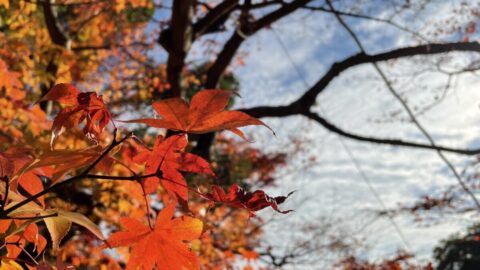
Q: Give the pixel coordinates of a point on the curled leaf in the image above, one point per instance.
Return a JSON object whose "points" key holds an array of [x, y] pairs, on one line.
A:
{"points": [[251, 201]]}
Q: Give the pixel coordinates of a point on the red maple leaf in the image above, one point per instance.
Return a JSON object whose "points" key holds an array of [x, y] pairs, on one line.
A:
{"points": [[80, 106], [163, 246], [252, 201]]}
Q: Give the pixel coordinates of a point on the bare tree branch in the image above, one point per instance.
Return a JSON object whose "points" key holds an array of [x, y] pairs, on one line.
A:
{"points": [[214, 18], [244, 30], [298, 109], [223, 60], [281, 12], [265, 4], [331, 127], [367, 17], [307, 100], [309, 97], [303, 105]]}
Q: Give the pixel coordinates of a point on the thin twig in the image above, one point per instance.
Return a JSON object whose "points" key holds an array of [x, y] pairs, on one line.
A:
{"points": [[367, 17], [29, 218], [147, 205]]}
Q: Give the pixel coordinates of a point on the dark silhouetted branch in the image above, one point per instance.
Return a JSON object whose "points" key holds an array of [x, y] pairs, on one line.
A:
{"points": [[303, 105], [215, 18], [54, 30], [395, 142], [244, 30], [309, 97], [177, 42]]}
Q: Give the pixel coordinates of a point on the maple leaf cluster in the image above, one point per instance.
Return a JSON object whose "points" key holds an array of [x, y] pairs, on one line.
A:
{"points": [[80, 106], [158, 239]]}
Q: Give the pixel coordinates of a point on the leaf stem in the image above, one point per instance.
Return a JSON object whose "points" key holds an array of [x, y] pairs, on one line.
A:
{"points": [[147, 205]]}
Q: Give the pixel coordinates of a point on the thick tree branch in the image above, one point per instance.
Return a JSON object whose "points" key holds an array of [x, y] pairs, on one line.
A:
{"points": [[308, 99], [177, 42], [215, 18], [244, 29], [265, 4], [281, 12], [303, 105], [294, 108], [58, 37], [223, 60], [54, 30], [178, 38]]}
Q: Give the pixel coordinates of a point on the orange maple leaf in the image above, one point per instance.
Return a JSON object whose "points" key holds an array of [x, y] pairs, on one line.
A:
{"points": [[167, 157], [81, 106], [16, 243], [13, 162], [31, 182], [204, 114], [163, 246]]}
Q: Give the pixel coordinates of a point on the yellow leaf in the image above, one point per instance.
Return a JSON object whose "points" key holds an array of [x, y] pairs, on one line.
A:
{"points": [[10, 265], [63, 73], [82, 221], [119, 5], [6, 5], [58, 227]]}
